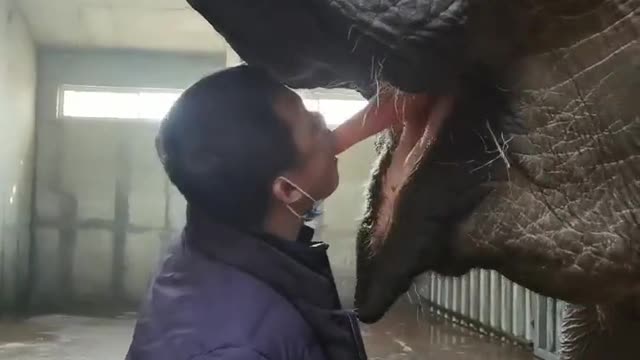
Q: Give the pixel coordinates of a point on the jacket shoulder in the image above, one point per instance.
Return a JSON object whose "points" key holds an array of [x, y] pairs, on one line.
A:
{"points": [[198, 306]]}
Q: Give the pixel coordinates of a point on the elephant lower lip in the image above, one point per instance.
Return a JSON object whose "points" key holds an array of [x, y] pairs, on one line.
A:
{"points": [[374, 118], [416, 141]]}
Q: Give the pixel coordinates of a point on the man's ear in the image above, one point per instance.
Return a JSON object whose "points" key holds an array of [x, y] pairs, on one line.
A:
{"points": [[284, 191]]}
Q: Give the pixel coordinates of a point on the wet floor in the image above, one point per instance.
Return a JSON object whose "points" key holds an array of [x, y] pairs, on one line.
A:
{"points": [[403, 334], [409, 334]]}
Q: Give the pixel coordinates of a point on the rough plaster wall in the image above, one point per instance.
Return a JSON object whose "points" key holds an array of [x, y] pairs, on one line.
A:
{"points": [[104, 209], [342, 214], [17, 101]]}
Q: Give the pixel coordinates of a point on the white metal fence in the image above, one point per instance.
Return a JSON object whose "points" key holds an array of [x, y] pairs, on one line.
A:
{"points": [[489, 303]]}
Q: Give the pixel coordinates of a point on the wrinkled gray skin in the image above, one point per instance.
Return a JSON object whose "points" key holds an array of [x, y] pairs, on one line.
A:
{"points": [[554, 84]]}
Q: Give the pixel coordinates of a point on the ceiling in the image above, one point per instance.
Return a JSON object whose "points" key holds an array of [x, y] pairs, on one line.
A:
{"points": [[168, 25]]}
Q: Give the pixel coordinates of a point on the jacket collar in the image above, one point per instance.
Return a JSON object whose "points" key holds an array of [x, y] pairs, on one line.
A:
{"points": [[253, 255]]}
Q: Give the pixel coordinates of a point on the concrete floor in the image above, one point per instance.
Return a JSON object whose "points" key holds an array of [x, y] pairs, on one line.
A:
{"points": [[402, 334], [408, 334]]}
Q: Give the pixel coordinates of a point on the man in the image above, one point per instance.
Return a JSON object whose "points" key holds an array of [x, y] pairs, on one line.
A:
{"points": [[246, 281]]}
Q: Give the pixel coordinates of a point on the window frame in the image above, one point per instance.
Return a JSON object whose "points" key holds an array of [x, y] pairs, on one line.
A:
{"points": [[60, 101], [306, 94]]}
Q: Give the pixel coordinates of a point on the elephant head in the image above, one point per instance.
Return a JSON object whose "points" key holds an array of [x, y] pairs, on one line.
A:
{"points": [[535, 171]]}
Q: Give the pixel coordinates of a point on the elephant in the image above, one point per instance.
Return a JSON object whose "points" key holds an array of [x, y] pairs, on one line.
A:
{"points": [[535, 170]]}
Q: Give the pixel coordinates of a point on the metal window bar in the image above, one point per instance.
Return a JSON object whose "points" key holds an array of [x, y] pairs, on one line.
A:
{"points": [[490, 303]]}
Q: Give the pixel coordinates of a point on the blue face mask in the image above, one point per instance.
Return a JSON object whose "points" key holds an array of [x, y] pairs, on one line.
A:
{"points": [[312, 213]]}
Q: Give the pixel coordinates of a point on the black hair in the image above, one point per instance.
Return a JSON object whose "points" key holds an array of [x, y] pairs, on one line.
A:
{"points": [[222, 144]]}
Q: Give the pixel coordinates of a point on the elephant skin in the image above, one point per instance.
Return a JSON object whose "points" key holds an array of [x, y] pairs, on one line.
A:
{"points": [[536, 172]]}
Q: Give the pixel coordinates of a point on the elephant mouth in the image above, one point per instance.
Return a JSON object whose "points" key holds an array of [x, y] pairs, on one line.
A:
{"points": [[414, 143], [432, 174], [415, 140]]}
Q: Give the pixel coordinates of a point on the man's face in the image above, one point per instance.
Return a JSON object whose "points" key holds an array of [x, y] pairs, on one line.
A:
{"points": [[317, 169]]}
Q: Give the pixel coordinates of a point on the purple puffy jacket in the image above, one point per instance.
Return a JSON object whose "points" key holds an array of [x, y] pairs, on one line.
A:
{"points": [[223, 294]]}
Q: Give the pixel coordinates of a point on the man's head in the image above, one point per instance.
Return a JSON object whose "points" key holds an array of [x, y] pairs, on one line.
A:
{"points": [[238, 144]]}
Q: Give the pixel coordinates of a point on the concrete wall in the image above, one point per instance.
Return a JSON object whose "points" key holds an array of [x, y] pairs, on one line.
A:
{"points": [[105, 210], [17, 98], [343, 211]]}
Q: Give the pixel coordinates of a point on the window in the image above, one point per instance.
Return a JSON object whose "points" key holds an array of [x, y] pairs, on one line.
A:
{"points": [[116, 103], [335, 111], [141, 104]]}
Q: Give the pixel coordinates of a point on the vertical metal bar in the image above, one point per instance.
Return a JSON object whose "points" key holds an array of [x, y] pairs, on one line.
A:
{"points": [[440, 291], [474, 301], [445, 293], [449, 286], [456, 296], [507, 306], [434, 289], [465, 294], [551, 324], [519, 311], [529, 315], [538, 341], [495, 300], [484, 297], [559, 316]]}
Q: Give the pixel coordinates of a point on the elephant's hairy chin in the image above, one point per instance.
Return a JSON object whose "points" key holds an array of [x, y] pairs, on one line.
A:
{"points": [[377, 304]]}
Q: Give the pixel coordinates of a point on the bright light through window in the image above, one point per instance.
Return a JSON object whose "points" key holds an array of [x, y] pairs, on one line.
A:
{"points": [[311, 104], [154, 105], [335, 112], [117, 105]]}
